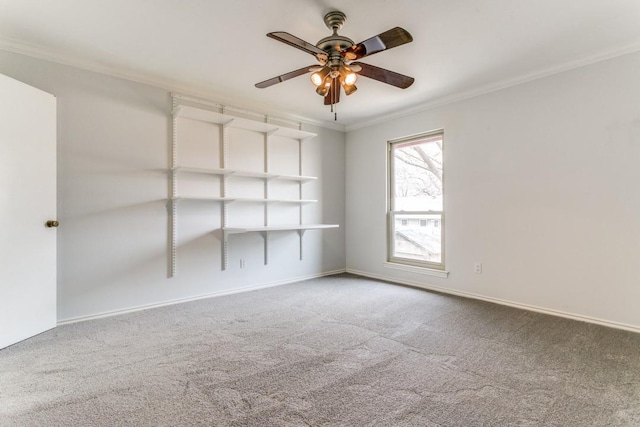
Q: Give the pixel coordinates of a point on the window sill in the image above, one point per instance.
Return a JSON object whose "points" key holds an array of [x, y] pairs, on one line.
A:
{"points": [[420, 270]]}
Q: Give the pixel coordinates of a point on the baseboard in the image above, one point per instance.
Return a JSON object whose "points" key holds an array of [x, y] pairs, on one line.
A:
{"points": [[513, 304], [196, 298]]}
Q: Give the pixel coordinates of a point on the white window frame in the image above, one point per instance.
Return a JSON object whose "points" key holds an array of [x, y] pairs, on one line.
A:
{"points": [[392, 212]]}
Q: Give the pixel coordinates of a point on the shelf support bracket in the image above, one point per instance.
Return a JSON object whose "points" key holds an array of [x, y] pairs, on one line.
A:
{"points": [[266, 237]]}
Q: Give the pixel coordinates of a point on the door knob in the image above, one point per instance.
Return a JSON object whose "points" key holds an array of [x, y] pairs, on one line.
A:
{"points": [[52, 223]]}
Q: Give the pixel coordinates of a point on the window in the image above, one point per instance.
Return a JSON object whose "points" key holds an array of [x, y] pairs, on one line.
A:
{"points": [[416, 208]]}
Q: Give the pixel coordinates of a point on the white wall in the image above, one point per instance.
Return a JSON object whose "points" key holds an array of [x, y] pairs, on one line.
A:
{"points": [[113, 156], [542, 185]]}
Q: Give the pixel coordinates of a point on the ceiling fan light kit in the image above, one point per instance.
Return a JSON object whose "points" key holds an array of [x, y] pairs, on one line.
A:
{"points": [[335, 54]]}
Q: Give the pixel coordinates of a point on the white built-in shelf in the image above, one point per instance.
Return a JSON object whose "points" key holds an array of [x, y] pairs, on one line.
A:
{"points": [[242, 230], [247, 174], [208, 171], [245, 199], [228, 121], [204, 199], [239, 122]]}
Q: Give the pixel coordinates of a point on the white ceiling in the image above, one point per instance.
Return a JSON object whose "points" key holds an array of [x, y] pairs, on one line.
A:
{"points": [[218, 49]]}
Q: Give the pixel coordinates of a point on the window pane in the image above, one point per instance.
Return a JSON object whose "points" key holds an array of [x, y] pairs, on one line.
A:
{"points": [[415, 241], [418, 175], [416, 208]]}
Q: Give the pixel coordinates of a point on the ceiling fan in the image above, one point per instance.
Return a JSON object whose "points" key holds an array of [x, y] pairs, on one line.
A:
{"points": [[336, 54]]}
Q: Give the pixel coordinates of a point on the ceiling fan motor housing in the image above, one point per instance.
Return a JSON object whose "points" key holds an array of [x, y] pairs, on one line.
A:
{"points": [[334, 42]]}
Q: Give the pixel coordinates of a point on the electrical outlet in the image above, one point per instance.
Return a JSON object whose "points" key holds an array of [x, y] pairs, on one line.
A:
{"points": [[477, 268], [243, 263]]}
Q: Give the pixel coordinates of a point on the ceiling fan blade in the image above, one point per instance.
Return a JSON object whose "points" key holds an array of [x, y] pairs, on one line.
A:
{"points": [[384, 76], [294, 41], [283, 77], [333, 96], [389, 39]]}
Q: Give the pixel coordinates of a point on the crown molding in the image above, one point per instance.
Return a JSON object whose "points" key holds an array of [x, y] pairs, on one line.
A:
{"points": [[159, 82], [494, 87], [170, 85]]}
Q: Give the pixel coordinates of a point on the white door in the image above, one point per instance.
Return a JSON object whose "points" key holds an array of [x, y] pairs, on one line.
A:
{"points": [[27, 202]]}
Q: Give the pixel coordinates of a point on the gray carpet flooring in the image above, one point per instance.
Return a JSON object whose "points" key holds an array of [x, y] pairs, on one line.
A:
{"points": [[336, 351]]}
